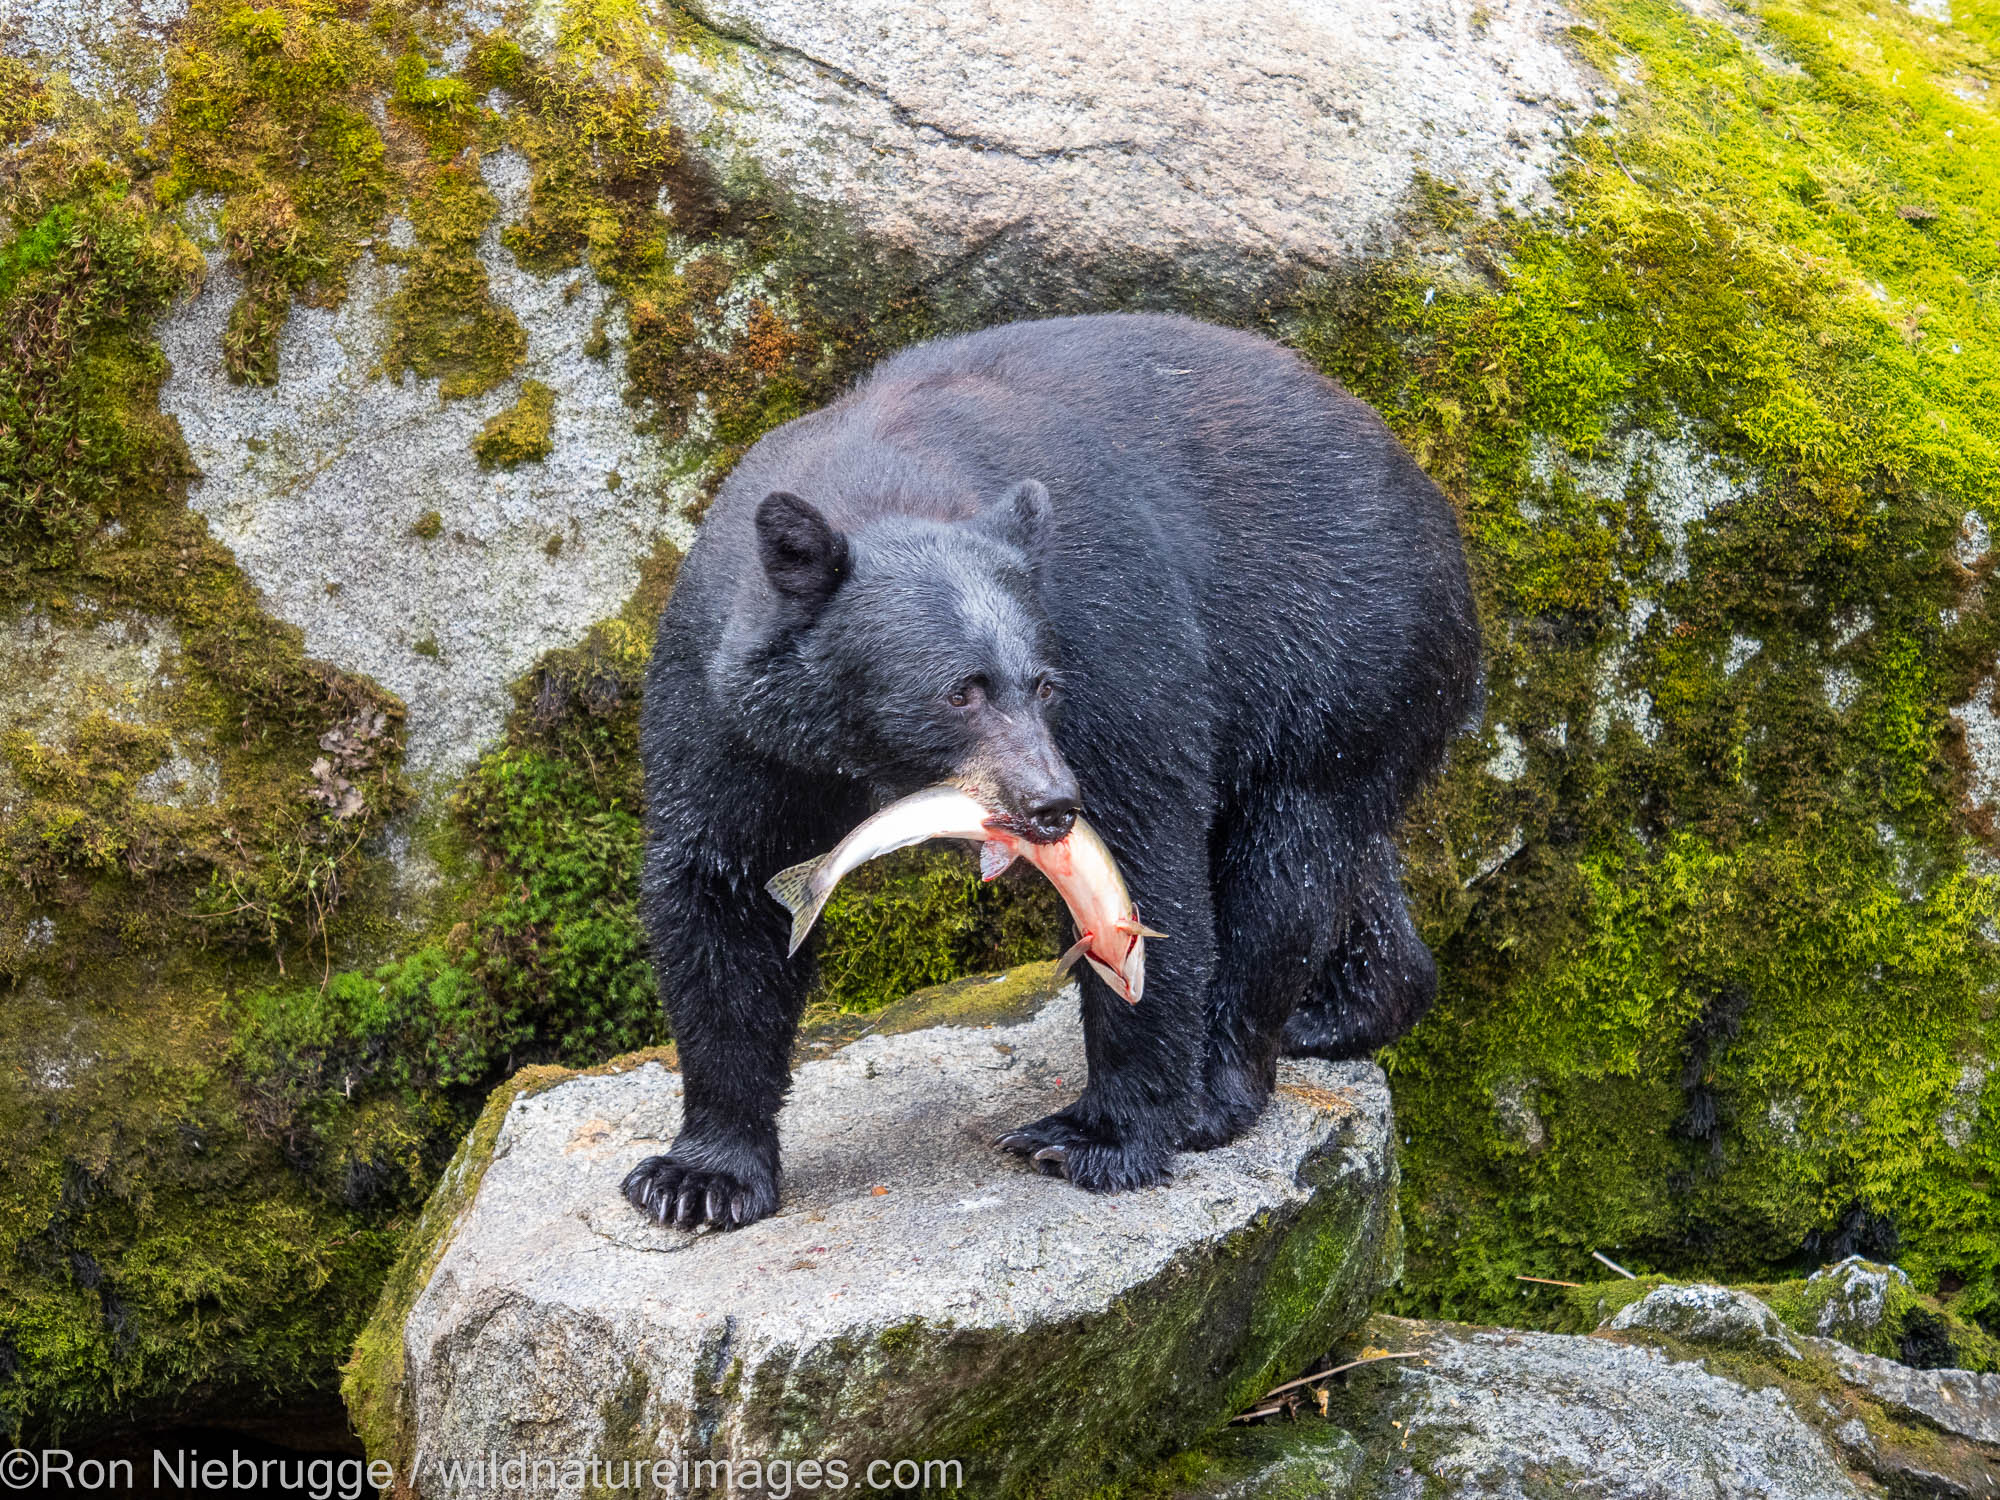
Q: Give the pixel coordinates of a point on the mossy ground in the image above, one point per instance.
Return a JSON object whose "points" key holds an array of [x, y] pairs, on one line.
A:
{"points": [[1715, 961]]}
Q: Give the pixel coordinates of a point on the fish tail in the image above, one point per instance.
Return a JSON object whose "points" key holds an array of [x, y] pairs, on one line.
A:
{"points": [[794, 890]]}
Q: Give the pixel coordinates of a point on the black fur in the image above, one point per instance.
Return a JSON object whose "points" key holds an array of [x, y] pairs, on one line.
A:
{"points": [[1161, 562]]}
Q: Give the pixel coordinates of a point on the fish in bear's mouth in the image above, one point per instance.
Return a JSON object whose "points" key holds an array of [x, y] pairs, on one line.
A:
{"points": [[1112, 939]]}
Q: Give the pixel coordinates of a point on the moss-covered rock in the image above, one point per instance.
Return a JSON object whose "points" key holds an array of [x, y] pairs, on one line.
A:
{"points": [[1474, 1411], [1708, 893]]}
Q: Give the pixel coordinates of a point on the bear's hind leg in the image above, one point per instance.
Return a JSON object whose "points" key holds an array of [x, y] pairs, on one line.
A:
{"points": [[1378, 981], [1281, 871]]}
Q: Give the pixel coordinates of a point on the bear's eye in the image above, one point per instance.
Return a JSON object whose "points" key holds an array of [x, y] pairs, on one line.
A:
{"points": [[1045, 689], [966, 691]]}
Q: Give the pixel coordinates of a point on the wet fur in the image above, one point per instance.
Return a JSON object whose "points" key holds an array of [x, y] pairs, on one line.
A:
{"points": [[1259, 609]]}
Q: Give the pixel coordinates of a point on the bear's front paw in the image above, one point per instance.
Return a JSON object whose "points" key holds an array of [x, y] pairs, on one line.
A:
{"points": [[1093, 1160], [689, 1196]]}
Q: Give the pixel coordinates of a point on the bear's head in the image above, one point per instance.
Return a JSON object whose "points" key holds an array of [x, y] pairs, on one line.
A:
{"points": [[913, 651]]}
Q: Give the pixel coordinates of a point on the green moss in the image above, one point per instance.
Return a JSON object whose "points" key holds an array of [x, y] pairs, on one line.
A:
{"points": [[267, 106], [79, 278], [124, 1285], [428, 526], [444, 323], [1910, 1322], [521, 433], [159, 1242], [1717, 942], [922, 917]]}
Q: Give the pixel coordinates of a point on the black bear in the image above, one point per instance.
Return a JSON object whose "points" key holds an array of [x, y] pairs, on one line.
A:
{"points": [[1157, 570]]}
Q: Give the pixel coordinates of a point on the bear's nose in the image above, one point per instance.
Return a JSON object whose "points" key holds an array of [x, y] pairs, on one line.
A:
{"points": [[1051, 816]]}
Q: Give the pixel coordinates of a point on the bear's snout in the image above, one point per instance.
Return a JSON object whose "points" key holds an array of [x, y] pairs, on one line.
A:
{"points": [[1034, 787], [1051, 817]]}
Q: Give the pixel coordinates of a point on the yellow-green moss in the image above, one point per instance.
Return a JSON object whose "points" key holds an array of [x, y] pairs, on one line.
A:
{"points": [[443, 321], [1713, 964], [157, 1241], [521, 433], [268, 107]]}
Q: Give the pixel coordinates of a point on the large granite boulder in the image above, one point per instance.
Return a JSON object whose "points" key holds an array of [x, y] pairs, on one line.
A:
{"points": [[919, 1297], [1043, 155]]}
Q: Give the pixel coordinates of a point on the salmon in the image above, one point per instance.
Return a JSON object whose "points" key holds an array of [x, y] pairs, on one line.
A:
{"points": [[1079, 865]]}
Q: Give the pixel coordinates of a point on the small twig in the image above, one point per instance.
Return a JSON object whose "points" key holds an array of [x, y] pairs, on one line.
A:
{"points": [[1292, 1385], [1262, 1411], [1549, 1281], [1599, 1255]]}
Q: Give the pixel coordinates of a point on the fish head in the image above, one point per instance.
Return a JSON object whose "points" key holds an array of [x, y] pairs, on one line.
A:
{"points": [[932, 659]]}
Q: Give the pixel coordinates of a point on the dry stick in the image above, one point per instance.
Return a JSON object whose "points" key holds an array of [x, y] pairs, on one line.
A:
{"points": [[1279, 1390], [1551, 1281], [1600, 1255]]}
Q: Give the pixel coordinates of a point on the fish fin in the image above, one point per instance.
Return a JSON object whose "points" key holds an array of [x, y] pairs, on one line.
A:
{"points": [[994, 858], [793, 889], [1113, 978], [1133, 927], [1075, 951]]}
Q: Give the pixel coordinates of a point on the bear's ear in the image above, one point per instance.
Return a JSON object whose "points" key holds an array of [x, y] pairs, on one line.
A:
{"points": [[803, 556], [1020, 518]]}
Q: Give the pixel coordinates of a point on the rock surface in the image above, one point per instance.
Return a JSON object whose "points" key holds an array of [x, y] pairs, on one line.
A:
{"points": [[917, 1297], [1850, 1300], [1704, 1314], [325, 485], [105, 48], [1499, 1413], [1958, 1402], [1641, 1413], [1049, 151]]}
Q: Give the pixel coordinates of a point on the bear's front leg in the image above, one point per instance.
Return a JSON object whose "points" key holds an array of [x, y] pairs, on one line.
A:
{"points": [[732, 993], [1145, 1059]]}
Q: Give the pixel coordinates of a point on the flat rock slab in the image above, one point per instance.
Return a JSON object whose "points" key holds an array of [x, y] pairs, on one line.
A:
{"points": [[919, 1296], [1959, 1403]]}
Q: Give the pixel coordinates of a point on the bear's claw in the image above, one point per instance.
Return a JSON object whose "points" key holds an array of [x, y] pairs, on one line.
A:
{"points": [[671, 1192], [1058, 1146]]}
